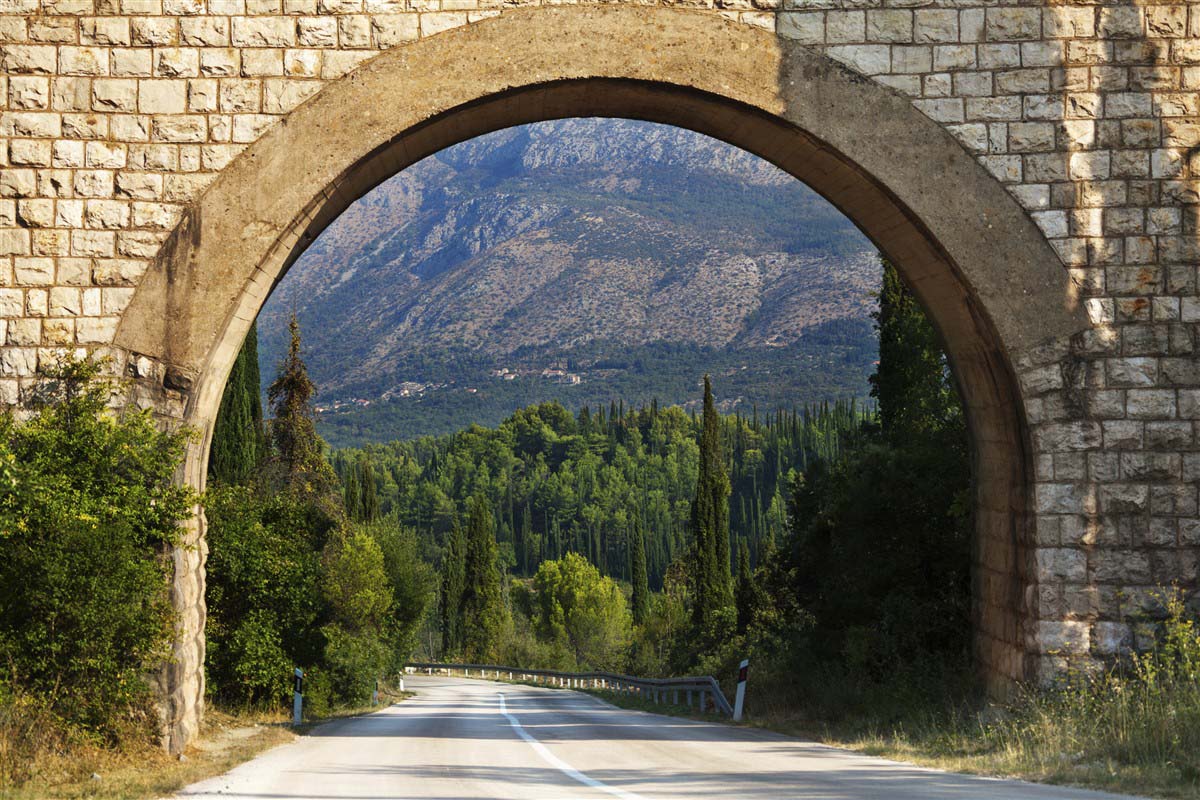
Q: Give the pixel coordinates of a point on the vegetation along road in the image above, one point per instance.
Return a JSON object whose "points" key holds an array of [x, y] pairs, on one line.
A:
{"points": [[460, 738]]}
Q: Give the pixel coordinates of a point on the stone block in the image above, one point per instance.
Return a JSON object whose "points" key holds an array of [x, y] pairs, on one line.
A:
{"points": [[1112, 638], [1066, 498], [1150, 403], [1067, 637], [1009, 24], [263, 32], [1124, 498]]}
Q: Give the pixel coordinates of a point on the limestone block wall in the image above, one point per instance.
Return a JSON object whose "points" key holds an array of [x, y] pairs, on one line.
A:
{"points": [[116, 115]]}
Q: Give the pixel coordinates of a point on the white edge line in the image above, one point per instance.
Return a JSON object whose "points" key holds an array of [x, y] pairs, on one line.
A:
{"points": [[558, 763]]}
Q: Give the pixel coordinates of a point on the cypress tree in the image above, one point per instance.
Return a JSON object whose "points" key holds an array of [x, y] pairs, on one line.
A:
{"points": [[369, 502], [911, 383], [350, 492], [238, 445], [745, 587], [710, 520], [526, 542], [453, 583], [639, 578], [483, 612]]}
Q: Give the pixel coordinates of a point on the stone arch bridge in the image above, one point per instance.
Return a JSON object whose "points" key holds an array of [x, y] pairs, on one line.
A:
{"points": [[1027, 165]]}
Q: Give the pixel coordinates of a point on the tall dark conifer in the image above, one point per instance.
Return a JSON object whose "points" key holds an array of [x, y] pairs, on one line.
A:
{"points": [[710, 520], [298, 451], [912, 383], [369, 498], [483, 612], [745, 587], [351, 493], [638, 576], [238, 443], [454, 578]]}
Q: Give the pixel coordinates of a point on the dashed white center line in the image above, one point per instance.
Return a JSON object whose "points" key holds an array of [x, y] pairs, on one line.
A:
{"points": [[558, 763]]}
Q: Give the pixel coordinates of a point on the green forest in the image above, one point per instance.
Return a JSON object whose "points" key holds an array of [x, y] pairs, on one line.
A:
{"points": [[646, 539], [557, 482]]}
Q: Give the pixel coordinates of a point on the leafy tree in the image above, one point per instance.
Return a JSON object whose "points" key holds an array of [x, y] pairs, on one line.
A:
{"points": [[265, 598], [641, 583], [583, 609], [483, 613], [412, 582], [355, 582], [88, 509], [238, 443], [710, 521]]}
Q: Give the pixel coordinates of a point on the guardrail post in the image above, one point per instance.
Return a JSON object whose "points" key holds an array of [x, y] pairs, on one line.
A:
{"points": [[739, 702], [298, 696], [689, 698]]}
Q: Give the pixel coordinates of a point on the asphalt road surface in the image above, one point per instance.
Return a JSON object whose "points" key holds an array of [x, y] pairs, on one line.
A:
{"points": [[470, 739]]}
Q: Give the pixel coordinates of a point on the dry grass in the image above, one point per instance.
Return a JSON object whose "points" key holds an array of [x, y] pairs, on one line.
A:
{"points": [[64, 770], [959, 746], [141, 770]]}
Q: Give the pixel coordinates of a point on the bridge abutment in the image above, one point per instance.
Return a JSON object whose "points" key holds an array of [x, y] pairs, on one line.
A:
{"points": [[1029, 169]]}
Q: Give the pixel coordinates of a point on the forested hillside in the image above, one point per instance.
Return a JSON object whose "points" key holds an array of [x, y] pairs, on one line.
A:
{"points": [[557, 482], [571, 261]]}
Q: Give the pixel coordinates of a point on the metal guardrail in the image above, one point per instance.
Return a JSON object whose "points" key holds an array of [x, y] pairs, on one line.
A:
{"points": [[701, 689]]}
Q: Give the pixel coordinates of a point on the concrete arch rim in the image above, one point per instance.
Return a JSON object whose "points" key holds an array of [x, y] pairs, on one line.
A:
{"points": [[624, 61]]}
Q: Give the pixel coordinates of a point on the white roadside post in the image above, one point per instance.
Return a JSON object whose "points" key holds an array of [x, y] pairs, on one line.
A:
{"points": [[740, 701], [298, 697]]}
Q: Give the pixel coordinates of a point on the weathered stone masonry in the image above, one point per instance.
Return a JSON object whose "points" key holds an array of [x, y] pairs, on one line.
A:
{"points": [[118, 115]]}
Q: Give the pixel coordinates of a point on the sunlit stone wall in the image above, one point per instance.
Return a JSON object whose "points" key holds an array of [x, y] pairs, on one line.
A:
{"points": [[117, 114]]}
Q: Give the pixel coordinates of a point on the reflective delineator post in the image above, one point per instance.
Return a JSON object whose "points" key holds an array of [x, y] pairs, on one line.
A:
{"points": [[298, 697], [740, 701], [375, 694]]}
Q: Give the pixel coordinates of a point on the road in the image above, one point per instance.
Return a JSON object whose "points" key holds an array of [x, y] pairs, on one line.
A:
{"points": [[469, 739]]}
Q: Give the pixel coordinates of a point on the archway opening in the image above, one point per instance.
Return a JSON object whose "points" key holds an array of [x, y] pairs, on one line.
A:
{"points": [[556, 542], [992, 285]]}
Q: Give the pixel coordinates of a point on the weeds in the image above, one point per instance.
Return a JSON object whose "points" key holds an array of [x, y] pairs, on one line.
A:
{"points": [[1134, 727]]}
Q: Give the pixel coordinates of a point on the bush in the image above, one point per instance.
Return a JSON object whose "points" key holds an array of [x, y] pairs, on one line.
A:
{"points": [[89, 511], [264, 593], [354, 660]]}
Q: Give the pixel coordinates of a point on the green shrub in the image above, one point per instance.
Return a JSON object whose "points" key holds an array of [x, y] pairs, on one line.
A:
{"points": [[354, 660], [264, 593], [89, 511]]}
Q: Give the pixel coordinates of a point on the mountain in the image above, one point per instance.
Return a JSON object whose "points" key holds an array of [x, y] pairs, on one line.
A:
{"points": [[581, 260]]}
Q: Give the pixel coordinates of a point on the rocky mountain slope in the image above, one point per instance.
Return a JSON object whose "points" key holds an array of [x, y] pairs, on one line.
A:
{"points": [[584, 241]]}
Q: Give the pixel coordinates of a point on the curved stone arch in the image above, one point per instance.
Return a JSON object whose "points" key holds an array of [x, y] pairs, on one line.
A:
{"points": [[993, 286]]}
